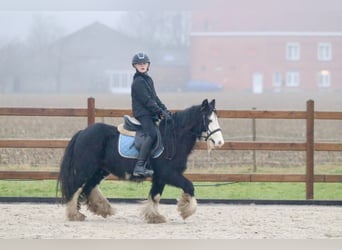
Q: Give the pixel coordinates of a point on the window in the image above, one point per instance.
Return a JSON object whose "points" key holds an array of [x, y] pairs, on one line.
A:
{"points": [[292, 79], [120, 81], [324, 51], [293, 51], [257, 83], [277, 79], [324, 79]]}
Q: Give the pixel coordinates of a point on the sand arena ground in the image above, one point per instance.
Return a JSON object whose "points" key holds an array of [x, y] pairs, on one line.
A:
{"points": [[211, 221]]}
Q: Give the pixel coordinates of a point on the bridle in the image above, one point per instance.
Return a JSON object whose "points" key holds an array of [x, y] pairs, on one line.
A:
{"points": [[169, 132], [209, 132]]}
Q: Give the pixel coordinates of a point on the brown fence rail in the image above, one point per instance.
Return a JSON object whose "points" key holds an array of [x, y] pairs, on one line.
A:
{"points": [[309, 146]]}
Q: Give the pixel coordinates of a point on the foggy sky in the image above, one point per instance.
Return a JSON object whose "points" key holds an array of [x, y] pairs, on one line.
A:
{"points": [[16, 24], [16, 15], [106, 5]]}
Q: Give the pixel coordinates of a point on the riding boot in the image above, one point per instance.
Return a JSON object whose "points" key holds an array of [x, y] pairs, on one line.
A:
{"points": [[140, 166]]}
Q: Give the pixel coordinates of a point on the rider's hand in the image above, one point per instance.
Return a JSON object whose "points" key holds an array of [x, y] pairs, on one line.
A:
{"points": [[166, 114]]}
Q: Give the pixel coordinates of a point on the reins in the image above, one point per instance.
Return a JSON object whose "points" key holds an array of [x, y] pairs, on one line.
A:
{"points": [[169, 134]]}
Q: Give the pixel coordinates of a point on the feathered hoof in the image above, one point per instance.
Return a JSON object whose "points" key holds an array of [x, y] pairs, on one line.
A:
{"points": [[187, 205], [103, 209], [150, 212], [98, 204], [155, 218], [76, 216]]}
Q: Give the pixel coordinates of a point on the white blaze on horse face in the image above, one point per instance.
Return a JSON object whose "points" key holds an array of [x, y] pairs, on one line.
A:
{"points": [[216, 138]]}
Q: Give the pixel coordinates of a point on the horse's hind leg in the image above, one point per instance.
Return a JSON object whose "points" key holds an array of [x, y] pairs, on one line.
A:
{"points": [[73, 207], [96, 202], [150, 212]]}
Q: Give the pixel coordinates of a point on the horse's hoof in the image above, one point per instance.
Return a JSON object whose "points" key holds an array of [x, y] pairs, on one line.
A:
{"points": [[103, 209], [76, 217], [109, 212], [187, 206], [150, 212], [156, 219]]}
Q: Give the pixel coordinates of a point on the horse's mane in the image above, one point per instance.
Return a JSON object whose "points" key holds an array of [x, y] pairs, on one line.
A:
{"points": [[184, 117], [182, 121]]}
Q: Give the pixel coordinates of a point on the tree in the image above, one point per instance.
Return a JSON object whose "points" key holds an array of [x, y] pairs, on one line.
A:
{"points": [[43, 32], [11, 66], [164, 29]]}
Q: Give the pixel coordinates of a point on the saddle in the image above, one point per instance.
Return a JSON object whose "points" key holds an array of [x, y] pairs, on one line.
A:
{"points": [[131, 138]]}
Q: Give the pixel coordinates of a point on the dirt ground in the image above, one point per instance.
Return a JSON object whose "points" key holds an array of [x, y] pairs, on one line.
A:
{"points": [[211, 221]]}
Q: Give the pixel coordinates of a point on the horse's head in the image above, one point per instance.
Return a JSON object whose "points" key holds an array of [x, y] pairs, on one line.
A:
{"points": [[211, 128]]}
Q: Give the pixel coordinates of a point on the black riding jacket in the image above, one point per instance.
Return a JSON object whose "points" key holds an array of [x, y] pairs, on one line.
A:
{"points": [[144, 97]]}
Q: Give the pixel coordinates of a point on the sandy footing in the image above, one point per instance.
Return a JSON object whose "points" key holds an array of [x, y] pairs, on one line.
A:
{"points": [[46, 221]]}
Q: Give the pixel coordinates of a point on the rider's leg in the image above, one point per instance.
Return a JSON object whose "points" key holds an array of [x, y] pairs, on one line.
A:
{"points": [[149, 128], [140, 166]]}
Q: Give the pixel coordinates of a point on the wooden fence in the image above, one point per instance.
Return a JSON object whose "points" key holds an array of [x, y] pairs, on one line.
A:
{"points": [[309, 146]]}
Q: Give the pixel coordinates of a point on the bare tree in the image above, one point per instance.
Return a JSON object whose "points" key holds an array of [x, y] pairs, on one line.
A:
{"points": [[13, 54], [43, 32], [164, 29], [11, 66]]}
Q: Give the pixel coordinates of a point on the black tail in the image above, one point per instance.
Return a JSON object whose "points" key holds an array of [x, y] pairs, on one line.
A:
{"points": [[66, 172]]}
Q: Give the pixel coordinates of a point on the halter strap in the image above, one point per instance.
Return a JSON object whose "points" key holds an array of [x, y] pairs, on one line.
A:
{"points": [[210, 133]]}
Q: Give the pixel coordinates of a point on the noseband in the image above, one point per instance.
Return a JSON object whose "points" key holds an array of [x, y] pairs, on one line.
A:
{"points": [[209, 133]]}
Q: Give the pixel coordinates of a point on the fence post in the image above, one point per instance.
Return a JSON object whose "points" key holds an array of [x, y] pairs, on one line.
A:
{"points": [[254, 139], [91, 110], [310, 113]]}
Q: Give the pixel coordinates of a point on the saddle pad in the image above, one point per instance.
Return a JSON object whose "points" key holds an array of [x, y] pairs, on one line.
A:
{"points": [[128, 150], [126, 146]]}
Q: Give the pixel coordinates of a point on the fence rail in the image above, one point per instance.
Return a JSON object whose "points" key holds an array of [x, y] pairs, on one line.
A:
{"points": [[270, 146], [52, 175], [309, 146]]}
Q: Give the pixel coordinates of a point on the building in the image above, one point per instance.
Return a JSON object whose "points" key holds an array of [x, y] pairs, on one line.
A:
{"points": [[269, 46], [94, 59]]}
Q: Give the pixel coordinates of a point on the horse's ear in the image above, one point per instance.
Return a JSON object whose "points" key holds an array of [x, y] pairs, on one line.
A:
{"points": [[212, 103], [204, 104]]}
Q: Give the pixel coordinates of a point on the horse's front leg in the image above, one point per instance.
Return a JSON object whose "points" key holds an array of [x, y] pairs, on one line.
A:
{"points": [[187, 204], [150, 212]]}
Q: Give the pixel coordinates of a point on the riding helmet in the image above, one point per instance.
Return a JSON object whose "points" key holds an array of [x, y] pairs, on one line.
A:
{"points": [[140, 57]]}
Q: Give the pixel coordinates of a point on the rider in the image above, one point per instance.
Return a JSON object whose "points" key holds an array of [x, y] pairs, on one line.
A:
{"points": [[147, 109]]}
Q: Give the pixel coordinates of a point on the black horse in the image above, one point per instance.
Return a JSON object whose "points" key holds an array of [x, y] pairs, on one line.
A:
{"points": [[92, 154]]}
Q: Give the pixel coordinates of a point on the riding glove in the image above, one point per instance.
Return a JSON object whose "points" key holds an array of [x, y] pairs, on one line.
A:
{"points": [[166, 114]]}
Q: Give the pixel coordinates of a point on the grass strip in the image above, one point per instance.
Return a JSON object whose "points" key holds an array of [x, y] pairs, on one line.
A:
{"points": [[204, 190]]}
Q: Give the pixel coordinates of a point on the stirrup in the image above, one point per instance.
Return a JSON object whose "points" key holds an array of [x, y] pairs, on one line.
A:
{"points": [[142, 171], [147, 173]]}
